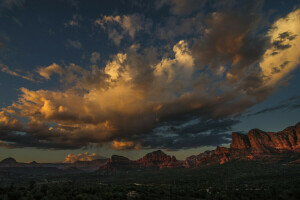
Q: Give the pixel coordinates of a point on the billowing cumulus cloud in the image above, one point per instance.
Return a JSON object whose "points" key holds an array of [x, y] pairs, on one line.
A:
{"points": [[9, 123], [81, 157], [183, 95]]}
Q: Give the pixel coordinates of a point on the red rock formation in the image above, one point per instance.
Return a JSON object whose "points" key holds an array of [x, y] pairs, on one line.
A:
{"points": [[195, 160], [154, 159], [173, 163], [120, 162], [239, 141], [158, 159], [270, 147], [221, 151], [259, 141]]}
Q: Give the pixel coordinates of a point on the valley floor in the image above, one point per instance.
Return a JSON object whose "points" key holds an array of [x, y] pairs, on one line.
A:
{"points": [[229, 181]]}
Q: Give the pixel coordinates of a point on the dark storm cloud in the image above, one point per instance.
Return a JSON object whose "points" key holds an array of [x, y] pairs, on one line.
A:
{"points": [[229, 38], [270, 109], [289, 104], [187, 142], [192, 134]]}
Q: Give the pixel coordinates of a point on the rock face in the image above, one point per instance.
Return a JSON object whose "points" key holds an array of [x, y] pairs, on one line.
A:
{"points": [[266, 142], [173, 163], [197, 160], [257, 145], [158, 159], [240, 141], [154, 159]]}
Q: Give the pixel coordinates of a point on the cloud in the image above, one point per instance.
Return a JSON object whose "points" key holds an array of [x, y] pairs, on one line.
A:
{"points": [[291, 103], [130, 97], [95, 57], [74, 22], [185, 95], [9, 123], [174, 27], [46, 72], [119, 27], [7, 70], [183, 62], [180, 7], [284, 54], [125, 145], [270, 109], [9, 4], [81, 157], [74, 44]]}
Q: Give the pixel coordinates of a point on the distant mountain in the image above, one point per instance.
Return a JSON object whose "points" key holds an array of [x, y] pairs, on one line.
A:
{"points": [[90, 165], [159, 159], [11, 162], [119, 162], [196, 160], [8, 161]]}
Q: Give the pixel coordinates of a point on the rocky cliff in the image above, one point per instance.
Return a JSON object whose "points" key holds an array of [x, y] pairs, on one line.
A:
{"points": [[259, 141], [153, 159], [158, 159], [257, 145]]}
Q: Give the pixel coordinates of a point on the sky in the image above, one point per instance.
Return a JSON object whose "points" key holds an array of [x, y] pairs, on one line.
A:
{"points": [[80, 80]]}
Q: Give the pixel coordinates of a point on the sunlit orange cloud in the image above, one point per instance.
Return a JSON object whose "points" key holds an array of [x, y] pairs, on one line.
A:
{"points": [[81, 157], [284, 55], [136, 91], [125, 145]]}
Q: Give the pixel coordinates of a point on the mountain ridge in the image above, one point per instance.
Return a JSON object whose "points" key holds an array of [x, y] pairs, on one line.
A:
{"points": [[256, 145]]}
